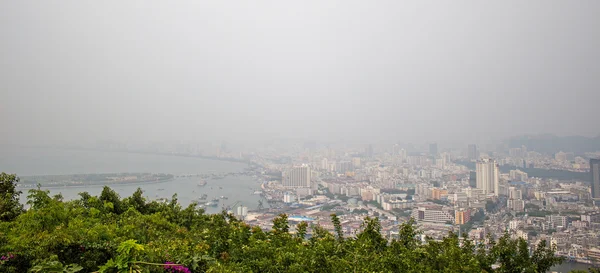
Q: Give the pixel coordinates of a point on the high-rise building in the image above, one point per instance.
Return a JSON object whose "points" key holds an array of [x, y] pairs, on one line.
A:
{"points": [[518, 175], [515, 204], [514, 193], [557, 220], [595, 173], [488, 176], [343, 167], [472, 152], [593, 217], [403, 155], [369, 151], [473, 179], [356, 162], [516, 152], [437, 193], [462, 216], [396, 150], [324, 164], [297, 177], [433, 149]]}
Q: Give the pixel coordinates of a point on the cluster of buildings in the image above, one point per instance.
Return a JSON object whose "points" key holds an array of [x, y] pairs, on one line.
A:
{"points": [[441, 193]]}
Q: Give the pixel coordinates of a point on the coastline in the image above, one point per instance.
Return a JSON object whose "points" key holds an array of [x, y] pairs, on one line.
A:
{"points": [[101, 183], [227, 159]]}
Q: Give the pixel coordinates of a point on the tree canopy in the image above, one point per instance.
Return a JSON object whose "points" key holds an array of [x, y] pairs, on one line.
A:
{"points": [[10, 207]]}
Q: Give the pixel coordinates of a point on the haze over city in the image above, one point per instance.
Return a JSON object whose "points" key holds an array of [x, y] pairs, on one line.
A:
{"points": [[455, 72], [309, 136]]}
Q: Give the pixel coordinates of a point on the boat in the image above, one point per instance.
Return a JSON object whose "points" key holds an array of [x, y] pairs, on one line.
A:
{"points": [[212, 204], [223, 197], [257, 192], [202, 183], [160, 189], [216, 200], [203, 197]]}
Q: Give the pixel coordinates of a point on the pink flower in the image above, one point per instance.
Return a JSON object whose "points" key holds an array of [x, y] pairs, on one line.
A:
{"points": [[7, 257], [171, 267]]}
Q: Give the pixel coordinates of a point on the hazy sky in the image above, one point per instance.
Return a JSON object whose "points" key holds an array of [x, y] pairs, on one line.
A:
{"points": [[328, 70]]}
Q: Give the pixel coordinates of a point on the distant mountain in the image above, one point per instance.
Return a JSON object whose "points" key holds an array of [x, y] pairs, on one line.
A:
{"points": [[551, 144]]}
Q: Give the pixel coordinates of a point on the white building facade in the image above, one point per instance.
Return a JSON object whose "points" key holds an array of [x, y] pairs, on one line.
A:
{"points": [[488, 176]]}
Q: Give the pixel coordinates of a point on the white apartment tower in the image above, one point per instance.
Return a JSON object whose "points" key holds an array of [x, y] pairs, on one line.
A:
{"points": [[514, 193], [297, 177], [487, 176], [324, 164]]}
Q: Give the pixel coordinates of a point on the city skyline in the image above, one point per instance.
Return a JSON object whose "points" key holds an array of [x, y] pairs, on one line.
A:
{"points": [[595, 177]]}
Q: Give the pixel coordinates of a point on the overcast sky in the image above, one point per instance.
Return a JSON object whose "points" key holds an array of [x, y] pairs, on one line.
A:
{"points": [[327, 70]]}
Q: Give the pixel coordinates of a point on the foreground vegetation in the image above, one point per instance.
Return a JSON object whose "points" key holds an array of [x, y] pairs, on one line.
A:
{"points": [[108, 234]]}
